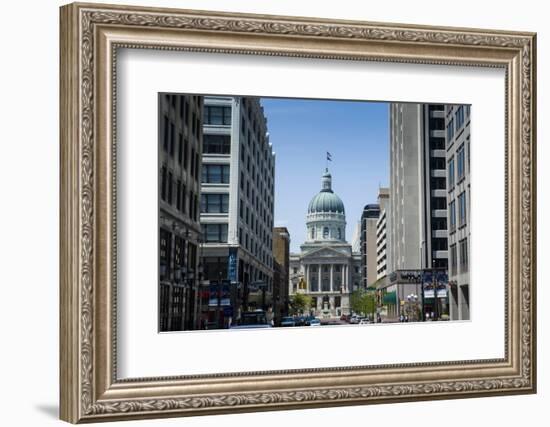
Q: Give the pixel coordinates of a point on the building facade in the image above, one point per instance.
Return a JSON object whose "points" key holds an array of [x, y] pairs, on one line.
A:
{"points": [[369, 218], [180, 145], [237, 205], [416, 224], [281, 268], [457, 124], [326, 270]]}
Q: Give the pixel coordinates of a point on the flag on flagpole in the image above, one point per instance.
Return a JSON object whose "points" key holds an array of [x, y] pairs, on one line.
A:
{"points": [[329, 157]]}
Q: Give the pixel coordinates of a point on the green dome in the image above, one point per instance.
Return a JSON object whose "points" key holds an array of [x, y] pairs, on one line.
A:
{"points": [[326, 201]]}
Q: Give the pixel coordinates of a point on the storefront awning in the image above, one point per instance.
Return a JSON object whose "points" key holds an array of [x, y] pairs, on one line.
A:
{"points": [[389, 298]]}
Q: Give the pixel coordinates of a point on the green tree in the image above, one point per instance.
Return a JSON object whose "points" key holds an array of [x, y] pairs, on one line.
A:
{"points": [[299, 303], [363, 302]]}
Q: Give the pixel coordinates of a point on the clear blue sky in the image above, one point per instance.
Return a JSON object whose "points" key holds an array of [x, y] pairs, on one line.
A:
{"points": [[302, 131]]}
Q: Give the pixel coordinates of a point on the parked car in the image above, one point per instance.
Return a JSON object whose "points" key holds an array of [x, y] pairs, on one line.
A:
{"points": [[300, 320], [314, 322], [364, 321], [252, 320], [354, 319], [288, 321]]}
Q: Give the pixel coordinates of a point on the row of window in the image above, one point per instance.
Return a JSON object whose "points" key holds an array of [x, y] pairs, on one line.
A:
{"points": [[214, 233], [252, 221], [254, 246], [215, 173], [217, 115], [460, 166], [255, 199], [185, 157], [255, 174], [176, 255], [457, 121], [215, 203], [169, 186], [463, 257], [190, 121], [216, 144], [326, 233]]}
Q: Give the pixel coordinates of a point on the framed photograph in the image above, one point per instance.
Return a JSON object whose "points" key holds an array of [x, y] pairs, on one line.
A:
{"points": [[266, 213]]}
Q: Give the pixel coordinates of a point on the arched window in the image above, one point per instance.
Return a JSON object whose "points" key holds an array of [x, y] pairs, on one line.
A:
{"points": [[325, 232], [339, 233], [313, 232]]}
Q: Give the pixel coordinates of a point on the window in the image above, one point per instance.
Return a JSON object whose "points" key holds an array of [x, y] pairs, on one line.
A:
{"points": [[450, 131], [437, 163], [197, 160], [340, 233], [180, 148], [172, 138], [165, 246], [215, 233], [452, 215], [439, 203], [166, 134], [169, 183], [185, 153], [459, 116], [215, 174], [215, 203], [183, 199], [460, 162], [451, 172], [462, 208], [453, 260], [178, 195], [325, 232], [216, 144], [196, 207], [313, 232], [163, 184], [179, 250], [463, 255], [314, 286], [217, 115]]}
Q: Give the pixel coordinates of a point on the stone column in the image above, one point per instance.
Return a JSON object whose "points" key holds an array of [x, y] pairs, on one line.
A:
{"points": [[345, 277], [331, 277], [320, 277], [308, 286]]}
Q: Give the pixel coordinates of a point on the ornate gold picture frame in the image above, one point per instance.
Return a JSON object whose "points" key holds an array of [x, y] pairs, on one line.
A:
{"points": [[90, 36]]}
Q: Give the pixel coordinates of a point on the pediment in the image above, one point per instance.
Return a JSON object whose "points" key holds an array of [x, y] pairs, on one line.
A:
{"points": [[326, 252]]}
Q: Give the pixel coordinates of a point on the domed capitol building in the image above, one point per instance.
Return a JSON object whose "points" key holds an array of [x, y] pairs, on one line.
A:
{"points": [[326, 269]]}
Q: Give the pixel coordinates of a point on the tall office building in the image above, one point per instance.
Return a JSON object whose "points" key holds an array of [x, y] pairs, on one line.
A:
{"points": [[180, 145], [457, 123], [237, 203], [369, 217], [281, 268], [381, 234], [418, 197], [356, 238], [417, 220]]}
